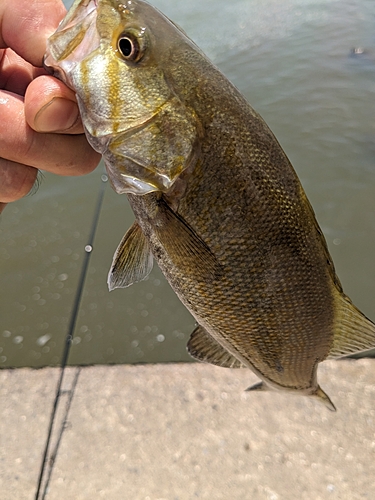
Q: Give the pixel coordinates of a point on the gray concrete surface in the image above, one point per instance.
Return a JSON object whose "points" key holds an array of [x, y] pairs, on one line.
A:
{"points": [[187, 431]]}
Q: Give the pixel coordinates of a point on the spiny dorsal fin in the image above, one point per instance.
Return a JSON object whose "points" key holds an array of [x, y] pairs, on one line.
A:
{"points": [[203, 346], [354, 332], [185, 248], [132, 261]]}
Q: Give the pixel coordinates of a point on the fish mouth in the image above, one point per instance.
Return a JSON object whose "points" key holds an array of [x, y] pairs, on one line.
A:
{"points": [[47, 67], [53, 70]]}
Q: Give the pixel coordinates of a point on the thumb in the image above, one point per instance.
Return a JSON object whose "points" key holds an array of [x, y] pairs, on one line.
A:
{"points": [[50, 106]]}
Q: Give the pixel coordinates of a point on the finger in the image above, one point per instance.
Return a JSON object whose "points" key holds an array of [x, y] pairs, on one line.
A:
{"points": [[58, 153], [16, 180], [50, 106], [26, 25], [15, 72], [2, 206]]}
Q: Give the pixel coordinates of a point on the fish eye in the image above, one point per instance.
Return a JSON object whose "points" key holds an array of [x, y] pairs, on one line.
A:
{"points": [[129, 47]]}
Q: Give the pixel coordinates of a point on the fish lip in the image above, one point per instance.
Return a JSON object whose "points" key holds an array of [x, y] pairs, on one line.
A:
{"points": [[54, 71], [49, 69]]}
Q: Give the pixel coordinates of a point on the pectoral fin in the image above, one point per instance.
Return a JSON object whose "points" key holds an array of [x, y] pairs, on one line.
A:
{"points": [[132, 261], [203, 346], [184, 247]]}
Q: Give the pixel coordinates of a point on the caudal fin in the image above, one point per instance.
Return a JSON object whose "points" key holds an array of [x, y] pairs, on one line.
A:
{"points": [[353, 331], [323, 398], [318, 394]]}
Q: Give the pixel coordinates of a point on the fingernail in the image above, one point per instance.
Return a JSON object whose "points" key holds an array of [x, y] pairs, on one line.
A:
{"points": [[58, 115]]}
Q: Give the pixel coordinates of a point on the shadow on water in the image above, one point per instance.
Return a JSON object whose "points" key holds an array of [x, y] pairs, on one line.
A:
{"points": [[293, 62]]}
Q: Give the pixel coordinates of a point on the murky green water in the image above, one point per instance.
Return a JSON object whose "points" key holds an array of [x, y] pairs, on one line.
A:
{"points": [[293, 62]]}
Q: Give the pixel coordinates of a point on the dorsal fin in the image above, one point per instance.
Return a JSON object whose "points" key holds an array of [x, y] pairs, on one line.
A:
{"points": [[132, 261], [353, 333], [203, 346]]}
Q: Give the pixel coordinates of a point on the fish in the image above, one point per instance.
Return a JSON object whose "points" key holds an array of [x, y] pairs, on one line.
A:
{"points": [[217, 203]]}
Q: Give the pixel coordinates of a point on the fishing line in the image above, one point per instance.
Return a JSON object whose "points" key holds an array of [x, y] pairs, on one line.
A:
{"points": [[68, 343]]}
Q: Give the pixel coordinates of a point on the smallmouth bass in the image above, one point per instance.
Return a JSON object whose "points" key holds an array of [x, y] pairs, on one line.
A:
{"points": [[217, 203]]}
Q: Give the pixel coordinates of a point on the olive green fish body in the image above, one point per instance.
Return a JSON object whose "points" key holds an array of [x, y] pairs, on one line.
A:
{"points": [[274, 286], [217, 203]]}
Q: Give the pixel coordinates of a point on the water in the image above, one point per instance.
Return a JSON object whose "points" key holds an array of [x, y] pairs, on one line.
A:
{"points": [[292, 60]]}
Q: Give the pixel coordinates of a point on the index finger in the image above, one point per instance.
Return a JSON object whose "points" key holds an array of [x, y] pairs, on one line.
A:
{"points": [[25, 26]]}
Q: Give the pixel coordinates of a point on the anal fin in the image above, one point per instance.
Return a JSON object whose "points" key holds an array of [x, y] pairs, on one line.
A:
{"points": [[203, 347], [132, 261]]}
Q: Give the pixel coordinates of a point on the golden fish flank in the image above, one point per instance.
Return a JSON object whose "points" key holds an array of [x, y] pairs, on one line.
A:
{"points": [[216, 201]]}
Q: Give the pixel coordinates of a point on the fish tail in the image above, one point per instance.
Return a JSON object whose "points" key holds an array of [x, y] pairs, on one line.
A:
{"points": [[323, 398], [318, 394], [353, 331]]}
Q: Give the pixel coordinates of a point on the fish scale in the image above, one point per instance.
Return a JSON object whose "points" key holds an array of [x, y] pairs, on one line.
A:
{"points": [[216, 201]]}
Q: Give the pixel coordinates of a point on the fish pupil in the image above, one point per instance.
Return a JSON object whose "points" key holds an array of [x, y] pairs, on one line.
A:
{"points": [[131, 45], [125, 46]]}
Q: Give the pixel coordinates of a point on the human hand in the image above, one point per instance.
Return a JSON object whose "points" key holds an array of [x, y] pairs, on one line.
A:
{"points": [[40, 127]]}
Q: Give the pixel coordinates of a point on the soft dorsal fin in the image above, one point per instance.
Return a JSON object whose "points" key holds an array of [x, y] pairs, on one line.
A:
{"points": [[132, 261], [353, 331], [203, 346], [185, 248]]}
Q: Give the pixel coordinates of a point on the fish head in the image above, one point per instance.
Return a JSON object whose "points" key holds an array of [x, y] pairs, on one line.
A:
{"points": [[115, 55]]}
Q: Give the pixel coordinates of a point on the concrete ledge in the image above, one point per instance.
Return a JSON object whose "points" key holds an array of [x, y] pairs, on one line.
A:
{"points": [[183, 431]]}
